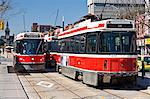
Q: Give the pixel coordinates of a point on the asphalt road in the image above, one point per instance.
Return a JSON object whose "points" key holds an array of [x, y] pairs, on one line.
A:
{"points": [[52, 85]]}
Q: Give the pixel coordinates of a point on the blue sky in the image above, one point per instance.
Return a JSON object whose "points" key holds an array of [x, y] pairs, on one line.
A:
{"points": [[43, 12]]}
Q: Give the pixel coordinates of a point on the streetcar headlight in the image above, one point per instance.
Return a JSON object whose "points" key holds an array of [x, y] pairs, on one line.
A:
{"points": [[32, 58]]}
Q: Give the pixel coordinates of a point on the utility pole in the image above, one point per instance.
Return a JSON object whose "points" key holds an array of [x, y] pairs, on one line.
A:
{"points": [[24, 24], [63, 22], [56, 17]]}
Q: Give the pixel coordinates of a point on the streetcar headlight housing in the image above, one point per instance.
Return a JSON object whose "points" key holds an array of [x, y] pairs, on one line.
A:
{"points": [[21, 59], [41, 59]]}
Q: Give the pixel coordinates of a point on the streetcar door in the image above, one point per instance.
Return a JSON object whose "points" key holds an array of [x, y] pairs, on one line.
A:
{"points": [[64, 60]]}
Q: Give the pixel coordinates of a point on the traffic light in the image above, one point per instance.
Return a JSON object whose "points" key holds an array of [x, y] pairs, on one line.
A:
{"points": [[1, 24]]}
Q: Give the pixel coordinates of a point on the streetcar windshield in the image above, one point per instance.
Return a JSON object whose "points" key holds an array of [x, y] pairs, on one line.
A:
{"points": [[118, 42], [30, 46]]}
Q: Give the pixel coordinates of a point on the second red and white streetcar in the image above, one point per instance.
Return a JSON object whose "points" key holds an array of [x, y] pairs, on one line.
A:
{"points": [[28, 51]]}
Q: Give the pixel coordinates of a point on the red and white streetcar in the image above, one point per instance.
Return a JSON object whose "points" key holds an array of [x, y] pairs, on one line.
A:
{"points": [[98, 52], [28, 51]]}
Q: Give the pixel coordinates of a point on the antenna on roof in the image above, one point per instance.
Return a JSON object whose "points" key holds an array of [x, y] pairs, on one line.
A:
{"points": [[24, 24], [101, 15], [56, 17]]}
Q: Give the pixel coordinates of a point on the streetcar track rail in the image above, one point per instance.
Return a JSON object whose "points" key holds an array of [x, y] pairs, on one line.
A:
{"points": [[24, 74], [138, 88], [114, 94], [33, 88], [119, 96], [86, 96], [63, 86], [10, 69], [23, 87]]}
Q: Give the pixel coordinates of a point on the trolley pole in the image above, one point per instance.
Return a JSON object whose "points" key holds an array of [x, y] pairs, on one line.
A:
{"points": [[143, 70]]}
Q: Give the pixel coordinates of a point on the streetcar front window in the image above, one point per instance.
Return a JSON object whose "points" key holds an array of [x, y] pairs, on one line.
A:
{"points": [[117, 42], [30, 46]]}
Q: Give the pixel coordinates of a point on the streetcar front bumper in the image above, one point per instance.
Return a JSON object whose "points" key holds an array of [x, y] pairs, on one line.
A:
{"points": [[118, 77], [32, 66]]}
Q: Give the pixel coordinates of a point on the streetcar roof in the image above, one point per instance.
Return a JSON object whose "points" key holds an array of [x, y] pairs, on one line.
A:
{"points": [[103, 25], [29, 35]]}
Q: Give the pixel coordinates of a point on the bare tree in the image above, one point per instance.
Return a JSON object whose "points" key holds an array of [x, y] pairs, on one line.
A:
{"points": [[131, 10], [4, 7]]}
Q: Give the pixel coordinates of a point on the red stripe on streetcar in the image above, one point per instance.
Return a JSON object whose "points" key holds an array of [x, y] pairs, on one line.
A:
{"points": [[77, 30], [101, 25], [31, 59], [80, 29]]}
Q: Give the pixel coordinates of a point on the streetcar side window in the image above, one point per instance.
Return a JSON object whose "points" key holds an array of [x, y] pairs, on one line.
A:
{"points": [[82, 43], [76, 44], [53, 46], [71, 44], [91, 43], [62, 44]]}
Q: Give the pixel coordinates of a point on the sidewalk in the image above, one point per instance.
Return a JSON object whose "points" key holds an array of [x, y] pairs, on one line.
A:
{"points": [[10, 87]]}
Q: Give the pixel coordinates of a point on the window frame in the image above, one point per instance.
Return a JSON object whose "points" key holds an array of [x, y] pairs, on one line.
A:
{"points": [[96, 46]]}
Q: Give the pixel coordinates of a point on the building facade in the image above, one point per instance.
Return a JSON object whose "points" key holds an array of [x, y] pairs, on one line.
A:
{"points": [[40, 28], [114, 8], [143, 30], [7, 38]]}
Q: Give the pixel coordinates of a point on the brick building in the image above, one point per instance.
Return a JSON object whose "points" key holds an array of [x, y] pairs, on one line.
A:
{"points": [[41, 28]]}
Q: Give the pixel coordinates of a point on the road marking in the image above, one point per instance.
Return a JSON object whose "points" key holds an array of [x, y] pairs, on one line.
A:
{"points": [[45, 84]]}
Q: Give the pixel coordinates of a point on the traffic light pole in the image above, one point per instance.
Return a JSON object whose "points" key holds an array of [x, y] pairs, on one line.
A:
{"points": [[143, 70]]}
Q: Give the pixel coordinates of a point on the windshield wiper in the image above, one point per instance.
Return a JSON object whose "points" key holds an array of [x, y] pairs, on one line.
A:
{"points": [[132, 46], [38, 47]]}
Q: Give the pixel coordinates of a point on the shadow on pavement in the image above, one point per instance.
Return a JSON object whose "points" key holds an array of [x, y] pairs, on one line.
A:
{"points": [[119, 87], [52, 69], [142, 84], [11, 69]]}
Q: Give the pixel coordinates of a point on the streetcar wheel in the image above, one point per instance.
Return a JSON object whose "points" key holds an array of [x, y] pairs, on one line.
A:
{"points": [[59, 70], [79, 76]]}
